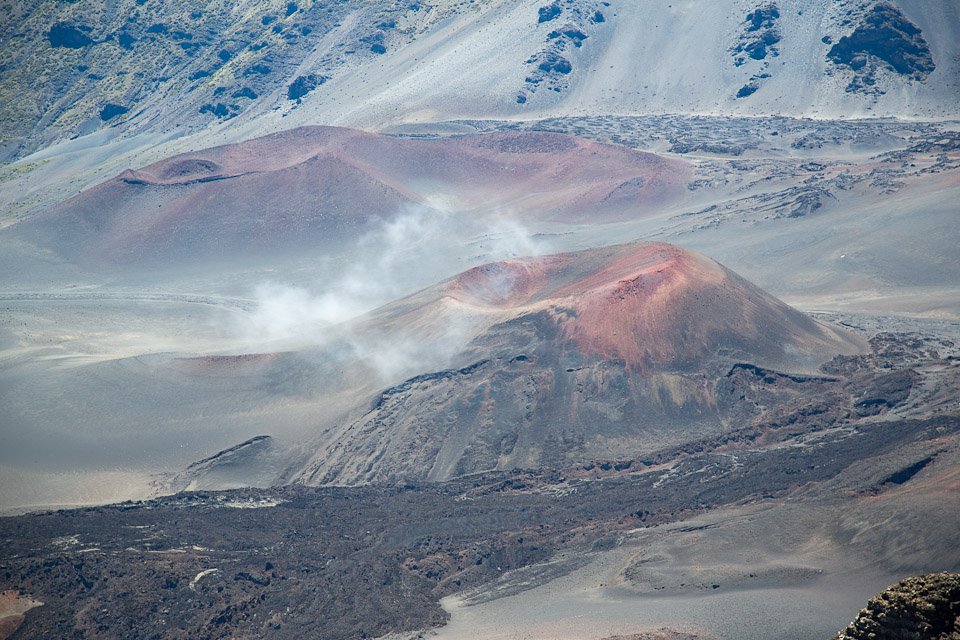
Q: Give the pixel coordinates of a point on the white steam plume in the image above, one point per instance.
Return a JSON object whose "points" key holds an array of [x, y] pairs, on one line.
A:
{"points": [[413, 249]]}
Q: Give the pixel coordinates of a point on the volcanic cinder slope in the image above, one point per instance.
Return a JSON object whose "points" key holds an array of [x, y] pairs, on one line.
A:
{"points": [[311, 191], [601, 353]]}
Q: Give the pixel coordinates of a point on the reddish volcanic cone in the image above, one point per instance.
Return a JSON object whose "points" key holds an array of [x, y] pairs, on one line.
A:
{"points": [[601, 354], [651, 305], [315, 189]]}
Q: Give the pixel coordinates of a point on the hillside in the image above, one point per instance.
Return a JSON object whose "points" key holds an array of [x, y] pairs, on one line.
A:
{"points": [[149, 67]]}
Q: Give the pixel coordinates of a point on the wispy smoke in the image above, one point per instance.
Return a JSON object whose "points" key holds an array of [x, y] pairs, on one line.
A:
{"points": [[406, 252]]}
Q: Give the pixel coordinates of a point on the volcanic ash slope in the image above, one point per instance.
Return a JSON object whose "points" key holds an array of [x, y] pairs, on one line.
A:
{"points": [[604, 353]]}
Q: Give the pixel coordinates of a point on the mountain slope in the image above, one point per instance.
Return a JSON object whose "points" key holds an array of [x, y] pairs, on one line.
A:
{"points": [[161, 67]]}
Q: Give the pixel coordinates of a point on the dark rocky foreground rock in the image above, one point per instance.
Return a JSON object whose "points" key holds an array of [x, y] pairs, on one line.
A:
{"points": [[922, 607]]}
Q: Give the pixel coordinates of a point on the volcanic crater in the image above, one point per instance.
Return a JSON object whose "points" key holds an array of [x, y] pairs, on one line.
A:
{"points": [[651, 305]]}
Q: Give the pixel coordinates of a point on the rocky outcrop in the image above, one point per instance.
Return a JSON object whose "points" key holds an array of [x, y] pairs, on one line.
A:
{"points": [[922, 607], [549, 67], [884, 39], [303, 85], [761, 34], [758, 42]]}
